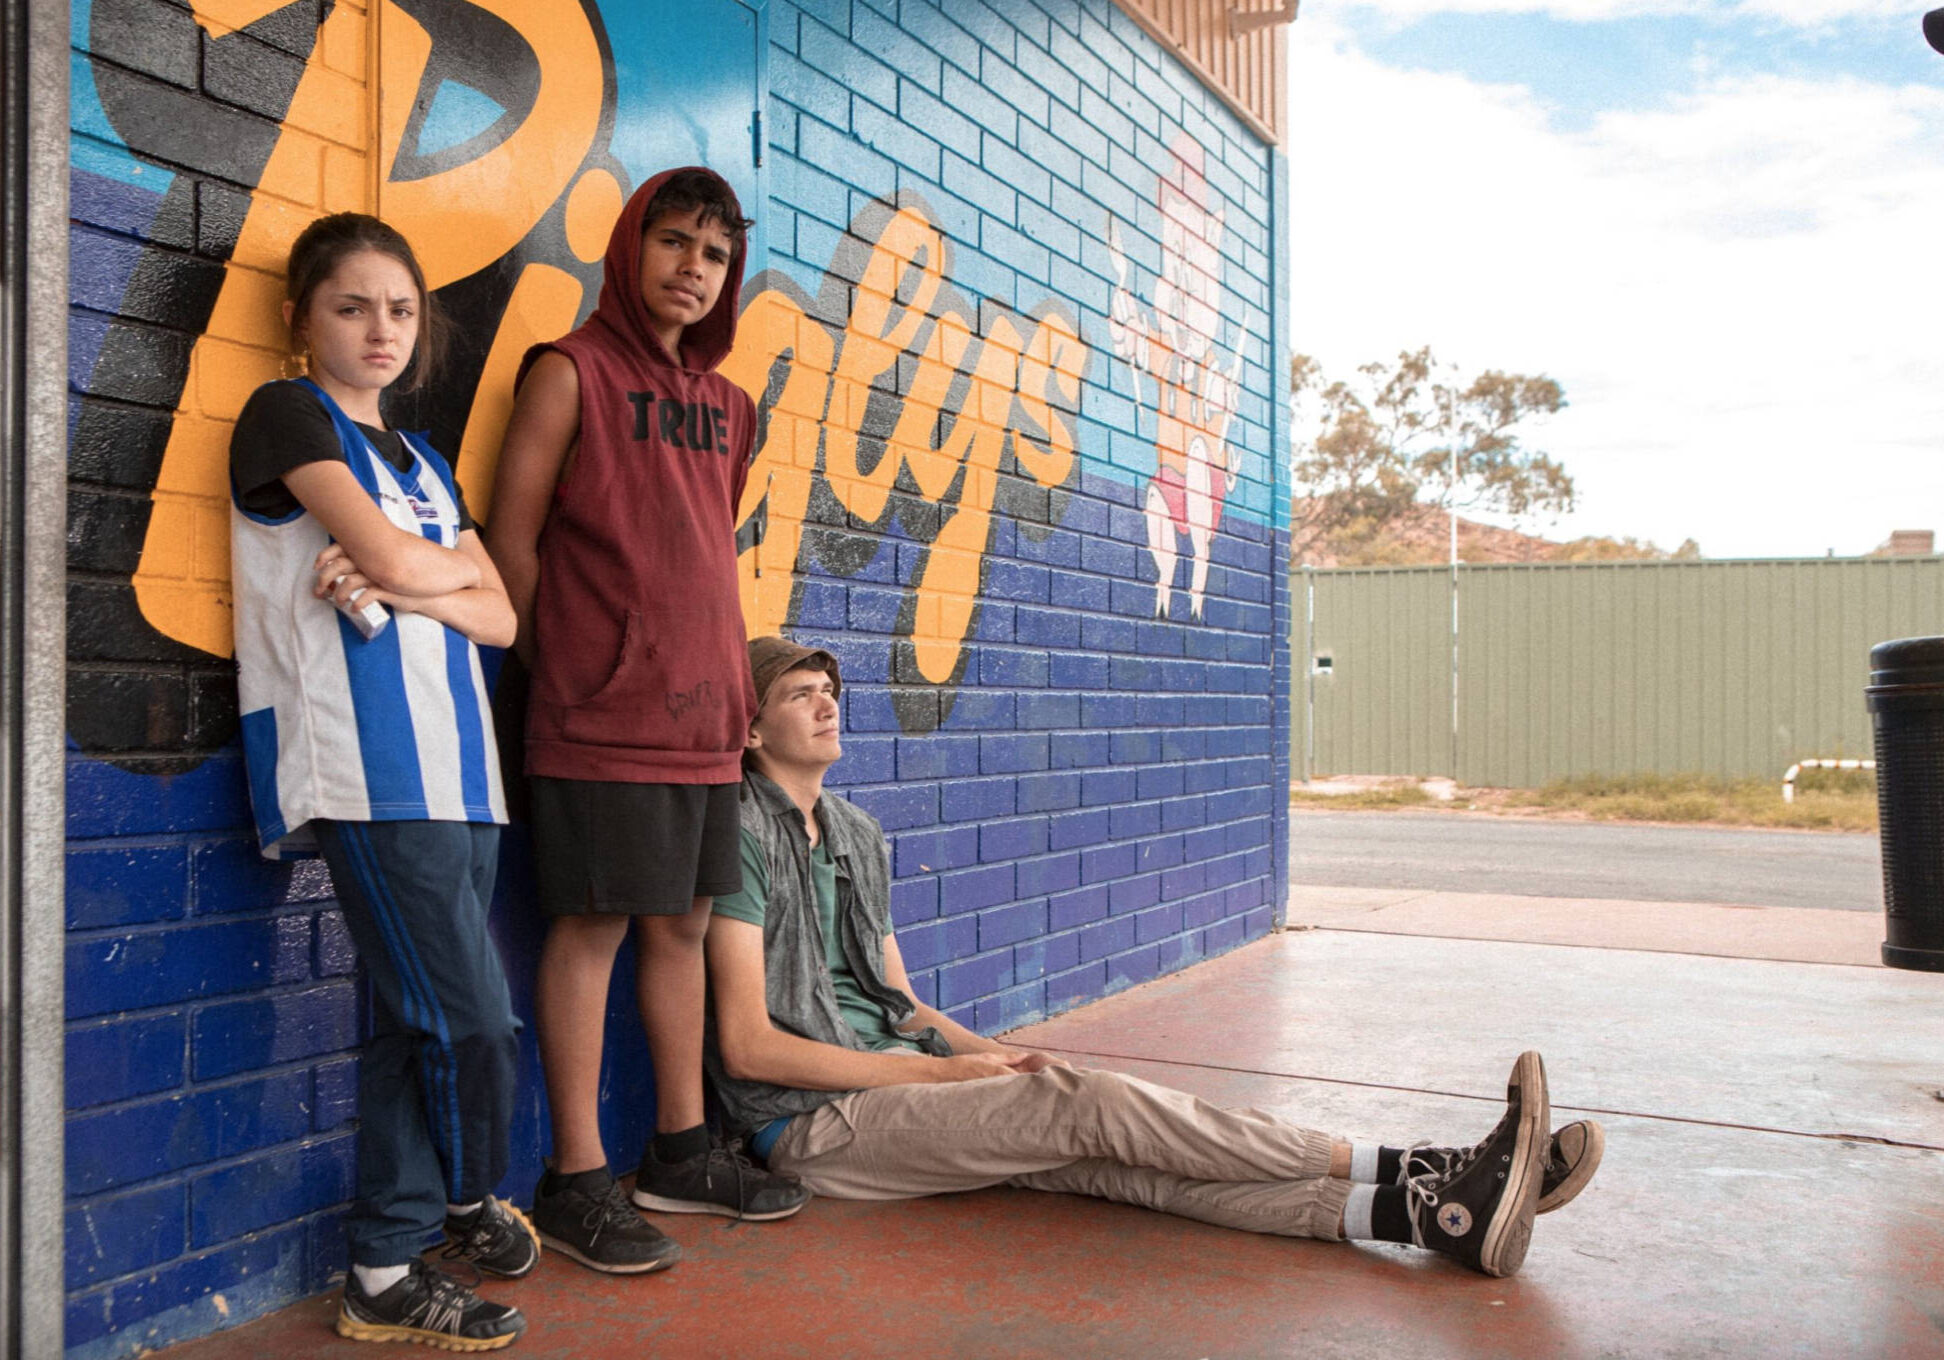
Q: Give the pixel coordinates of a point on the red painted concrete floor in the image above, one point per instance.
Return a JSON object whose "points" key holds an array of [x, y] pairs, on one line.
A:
{"points": [[1774, 1182]]}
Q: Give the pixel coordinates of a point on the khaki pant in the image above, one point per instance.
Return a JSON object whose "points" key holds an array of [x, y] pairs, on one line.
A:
{"points": [[1079, 1131]]}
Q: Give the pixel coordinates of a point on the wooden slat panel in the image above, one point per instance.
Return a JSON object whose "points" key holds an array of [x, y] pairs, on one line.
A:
{"points": [[1246, 70]]}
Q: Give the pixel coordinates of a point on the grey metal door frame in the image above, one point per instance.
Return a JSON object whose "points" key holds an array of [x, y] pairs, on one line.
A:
{"points": [[33, 668]]}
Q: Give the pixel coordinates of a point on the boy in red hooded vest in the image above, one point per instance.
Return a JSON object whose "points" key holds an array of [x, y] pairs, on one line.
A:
{"points": [[614, 525]]}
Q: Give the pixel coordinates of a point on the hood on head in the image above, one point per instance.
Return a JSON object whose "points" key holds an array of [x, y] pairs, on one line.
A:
{"points": [[621, 310]]}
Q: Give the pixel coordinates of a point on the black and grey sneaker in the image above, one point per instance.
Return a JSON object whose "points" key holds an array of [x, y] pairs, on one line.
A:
{"points": [[498, 1239], [598, 1228], [1572, 1156], [1480, 1208], [430, 1308], [720, 1181]]}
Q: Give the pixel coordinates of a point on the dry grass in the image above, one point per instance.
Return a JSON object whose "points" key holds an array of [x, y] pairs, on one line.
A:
{"points": [[1826, 800], [1384, 796]]}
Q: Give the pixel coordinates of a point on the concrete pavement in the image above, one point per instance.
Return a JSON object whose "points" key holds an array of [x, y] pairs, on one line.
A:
{"points": [[1774, 1181]]}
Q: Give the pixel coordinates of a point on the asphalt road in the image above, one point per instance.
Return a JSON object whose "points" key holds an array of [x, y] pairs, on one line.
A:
{"points": [[1456, 852]]}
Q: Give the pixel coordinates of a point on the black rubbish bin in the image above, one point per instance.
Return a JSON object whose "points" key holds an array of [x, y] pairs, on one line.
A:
{"points": [[1906, 698]]}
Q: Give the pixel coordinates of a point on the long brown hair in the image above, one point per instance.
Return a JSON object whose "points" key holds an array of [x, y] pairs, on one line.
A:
{"points": [[326, 243]]}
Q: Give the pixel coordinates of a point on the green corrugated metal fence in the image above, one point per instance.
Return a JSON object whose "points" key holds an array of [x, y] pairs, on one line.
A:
{"points": [[1729, 668]]}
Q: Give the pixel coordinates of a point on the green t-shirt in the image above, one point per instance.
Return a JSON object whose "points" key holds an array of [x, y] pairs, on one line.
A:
{"points": [[865, 1016]]}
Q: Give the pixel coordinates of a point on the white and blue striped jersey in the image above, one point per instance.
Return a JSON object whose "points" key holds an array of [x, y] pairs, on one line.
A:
{"points": [[397, 728]]}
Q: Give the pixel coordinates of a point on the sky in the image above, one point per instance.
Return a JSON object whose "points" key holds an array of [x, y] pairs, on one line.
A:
{"points": [[1713, 224]]}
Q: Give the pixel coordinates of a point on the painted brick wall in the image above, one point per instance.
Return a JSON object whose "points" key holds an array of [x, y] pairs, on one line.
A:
{"points": [[974, 213]]}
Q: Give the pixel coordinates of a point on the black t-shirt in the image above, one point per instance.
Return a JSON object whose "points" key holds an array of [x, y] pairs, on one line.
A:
{"points": [[284, 426]]}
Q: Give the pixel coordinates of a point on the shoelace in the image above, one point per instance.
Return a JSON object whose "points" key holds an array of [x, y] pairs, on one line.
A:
{"points": [[441, 1307], [612, 1210], [487, 1234], [1421, 1189], [737, 1163]]}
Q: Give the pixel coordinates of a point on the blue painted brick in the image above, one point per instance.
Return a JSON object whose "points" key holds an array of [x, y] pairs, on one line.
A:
{"points": [[1185, 881], [1160, 852], [1106, 557], [1240, 897], [1203, 777], [1247, 835], [1206, 843], [333, 952], [1014, 668], [336, 1101], [1160, 638], [919, 852], [936, 942], [1082, 984], [1180, 813], [1133, 672], [1111, 936], [966, 800], [104, 800], [1178, 951], [901, 806], [1132, 966], [242, 1036], [1188, 743], [1160, 710], [1102, 787], [1025, 581], [122, 1234], [1135, 597], [1103, 634], [261, 1272], [1012, 839], [994, 622], [914, 899], [1069, 829], [1256, 863], [1135, 748], [1260, 921], [1047, 954], [1207, 710], [126, 885], [924, 987], [1133, 894], [873, 610], [1010, 924], [870, 708], [959, 983], [983, 708], [231, 875], [1108, 862], [125, 1058], [1079, 750], [1076, 590], [1047, 792], [1226, 870], [1010, 753], [1225, 935], [1048, 710], [1159, 781], [1011, 1008], [1078, 670], [822, 605], [1048, 874], [1057, 549], [1069, 909], [1036, 627], [1107, 710], [138, 1142], [264, 1191], [1203, 910], [975, 889], [1206, 644], [938, 756], [129, 972], [1158, 922], [869, 760]]}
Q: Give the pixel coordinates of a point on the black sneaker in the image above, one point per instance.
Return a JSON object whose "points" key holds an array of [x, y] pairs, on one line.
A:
{"points": [[1480, 1209], [600, 1230], [499, 1239], [1572, 1156], [720, 1181], [428, 1307]]}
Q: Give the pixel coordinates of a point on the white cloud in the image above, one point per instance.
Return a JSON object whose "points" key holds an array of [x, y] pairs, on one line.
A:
{"points": [[1739, 291]]}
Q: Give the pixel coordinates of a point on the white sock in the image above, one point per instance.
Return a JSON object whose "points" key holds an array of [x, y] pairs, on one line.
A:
{"points": [[1356, 1213], [463, 1210], [375, 1280], [1363, 1163]]}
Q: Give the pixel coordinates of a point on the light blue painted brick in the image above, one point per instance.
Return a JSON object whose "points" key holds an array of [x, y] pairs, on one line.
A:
{"points": [[964, 178], [833, 14], [968, 95], [851, 65], [1020, 253], [1037, 63], [958, 219], [928, 24], [980, 276], [798, 84], [1004, 79], [1098, 112], [1050, 954], [1008, 924], [987, 24], [1138, 110], [864, 170], [913, 60], [1059, 237], [816, 242], [1155, 86], [892, 136], [808, 189]]}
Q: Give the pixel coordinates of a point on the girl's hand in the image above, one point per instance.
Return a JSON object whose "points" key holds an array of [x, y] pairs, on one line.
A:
{"points": [[338, 577]]}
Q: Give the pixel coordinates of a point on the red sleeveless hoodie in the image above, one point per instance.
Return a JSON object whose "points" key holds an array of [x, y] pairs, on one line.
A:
{"points": [[641, 668]]}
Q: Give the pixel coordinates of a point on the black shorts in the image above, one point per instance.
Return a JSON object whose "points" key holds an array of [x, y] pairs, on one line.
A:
{"points": [[633, 849]]}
